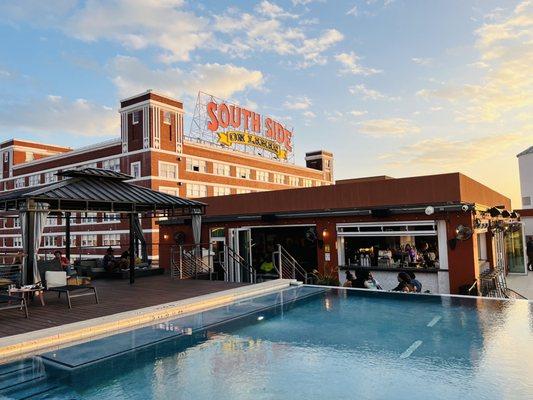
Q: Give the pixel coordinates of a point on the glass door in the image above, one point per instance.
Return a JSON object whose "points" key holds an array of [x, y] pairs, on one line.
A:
{"points": [[515, 250]]}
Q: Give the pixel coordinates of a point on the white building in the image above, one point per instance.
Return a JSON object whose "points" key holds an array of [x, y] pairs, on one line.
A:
{"points": [[525, 164]]}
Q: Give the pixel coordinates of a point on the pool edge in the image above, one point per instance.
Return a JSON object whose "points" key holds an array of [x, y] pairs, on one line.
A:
{"points": [[26, 343]]}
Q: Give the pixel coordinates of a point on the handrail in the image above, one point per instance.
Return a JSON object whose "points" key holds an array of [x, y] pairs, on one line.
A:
{"points": [[291, 271], [242, 263], [186, 264]]}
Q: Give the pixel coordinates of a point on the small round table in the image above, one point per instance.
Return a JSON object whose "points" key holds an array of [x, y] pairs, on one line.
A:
{"points": [[25, 293]]}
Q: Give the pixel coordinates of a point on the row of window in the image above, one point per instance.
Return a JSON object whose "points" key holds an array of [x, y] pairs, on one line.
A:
{"points": [[199, 190], [136, 117], [86, 240], [195, 165], [81, 218]]}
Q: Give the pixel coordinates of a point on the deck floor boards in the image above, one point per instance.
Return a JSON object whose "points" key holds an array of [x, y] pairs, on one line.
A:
{"points": [[115, 296]]}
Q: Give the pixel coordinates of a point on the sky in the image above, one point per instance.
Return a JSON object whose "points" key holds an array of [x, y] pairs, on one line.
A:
{"points": [[391, 87]]}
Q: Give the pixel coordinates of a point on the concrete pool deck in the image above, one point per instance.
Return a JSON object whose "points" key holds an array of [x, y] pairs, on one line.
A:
{"points": [[53, 337]]}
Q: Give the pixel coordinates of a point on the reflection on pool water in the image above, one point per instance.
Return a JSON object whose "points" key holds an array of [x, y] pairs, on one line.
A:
{"points": [[333, 344]]}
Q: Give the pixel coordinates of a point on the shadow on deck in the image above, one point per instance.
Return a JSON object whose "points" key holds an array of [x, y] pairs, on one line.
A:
{"points": [[115, 296]]}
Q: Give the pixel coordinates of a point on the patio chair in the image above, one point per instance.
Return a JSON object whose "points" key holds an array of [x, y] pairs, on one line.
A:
{"points": [[56, 281], [9, 302]]}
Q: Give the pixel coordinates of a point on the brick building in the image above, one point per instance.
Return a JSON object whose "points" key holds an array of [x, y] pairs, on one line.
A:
{"points": [[153, 149]]}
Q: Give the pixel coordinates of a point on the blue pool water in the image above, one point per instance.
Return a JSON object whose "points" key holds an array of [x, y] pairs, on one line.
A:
{"points": [[303, 343]]}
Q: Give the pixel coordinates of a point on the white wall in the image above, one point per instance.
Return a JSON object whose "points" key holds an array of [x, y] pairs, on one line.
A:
{"points": [[525, 164], [528, 225]]}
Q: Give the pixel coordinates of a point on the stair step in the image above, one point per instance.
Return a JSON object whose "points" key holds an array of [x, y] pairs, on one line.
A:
{"points": [[31, 390]]}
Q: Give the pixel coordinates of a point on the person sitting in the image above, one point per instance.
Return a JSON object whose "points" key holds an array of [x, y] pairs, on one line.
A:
{"points": [[361, 277], [266, 267], [371, 283], [19, 258], [349, 279], [124, 262], [404, 283], [415, 282], [65, 264], [108, 262]]}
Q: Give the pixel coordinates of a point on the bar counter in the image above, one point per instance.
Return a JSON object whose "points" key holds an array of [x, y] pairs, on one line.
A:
{"points": [[433, 279]]}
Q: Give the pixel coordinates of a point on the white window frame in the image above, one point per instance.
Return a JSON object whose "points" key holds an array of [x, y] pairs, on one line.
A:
{"points": [[196, 190], [112, 164], [243, 173], [221, 169], [221, 191], [353, 229], [169, 190], [20, 183], [133, 166], [262, 176], [167, 118], [163, 165], [136, 117], [196, 165], [17, 241], [111, 239]]}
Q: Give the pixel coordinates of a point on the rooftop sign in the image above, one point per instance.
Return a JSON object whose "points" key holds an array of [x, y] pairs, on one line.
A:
{"points": [[239, 128]]}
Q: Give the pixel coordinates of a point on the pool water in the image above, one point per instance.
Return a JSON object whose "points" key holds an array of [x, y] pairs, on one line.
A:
{"points": [[308, 344]]}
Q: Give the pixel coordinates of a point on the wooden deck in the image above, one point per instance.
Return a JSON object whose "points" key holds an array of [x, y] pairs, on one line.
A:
{"points": [[115, 296]]}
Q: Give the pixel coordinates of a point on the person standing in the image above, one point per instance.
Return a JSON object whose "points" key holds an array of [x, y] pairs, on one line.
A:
{"points": [[529, 248]]}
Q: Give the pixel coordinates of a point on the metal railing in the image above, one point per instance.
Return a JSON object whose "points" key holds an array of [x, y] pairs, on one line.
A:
{"points": [[247, 272], [288, 268], [191, 262]]}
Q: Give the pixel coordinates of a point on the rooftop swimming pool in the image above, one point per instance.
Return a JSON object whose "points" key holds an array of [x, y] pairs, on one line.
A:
{"points": [[301, 343]]}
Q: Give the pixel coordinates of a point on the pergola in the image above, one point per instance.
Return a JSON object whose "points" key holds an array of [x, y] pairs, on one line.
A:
{"points": [[90, 190]]}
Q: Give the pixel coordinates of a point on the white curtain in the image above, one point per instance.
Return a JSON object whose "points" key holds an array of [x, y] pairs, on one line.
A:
{"points": [[40, 215], [197, 228]]}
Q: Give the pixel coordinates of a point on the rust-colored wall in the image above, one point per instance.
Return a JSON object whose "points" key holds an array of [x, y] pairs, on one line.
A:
{"points": [[475, 192]]}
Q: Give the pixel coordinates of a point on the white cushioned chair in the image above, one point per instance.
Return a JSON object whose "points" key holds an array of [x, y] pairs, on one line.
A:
{"points": [[56, 281]]}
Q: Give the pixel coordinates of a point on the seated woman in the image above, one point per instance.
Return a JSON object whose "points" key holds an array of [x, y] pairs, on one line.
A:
{"points": [[404, 283], [65, 264], [365, 280], [415, 282], [108, 262]]}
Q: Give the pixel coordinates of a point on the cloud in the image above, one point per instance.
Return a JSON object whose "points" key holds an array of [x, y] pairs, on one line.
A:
{"points": [[272, 10], [444, 153], [297, 103], [309, 114], [245, 34], [353, 11], [333, 116], [506, 86], [422, 61], [358, 113], [389, 127], [131, 76], [369, 94], [55, 114], [350, 61]]}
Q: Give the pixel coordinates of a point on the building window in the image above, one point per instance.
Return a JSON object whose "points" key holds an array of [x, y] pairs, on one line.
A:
{"points": [[17, 241], [195, 165], [241, 191], [16, 222], [6, 156], [50, 177], [482, 247], [112, 165], [308, 183], [171, 191], [111, 217], [166, 117], [167, 170], [221, 191], [112, 239], [19, 183], [195, 190], [2, 223], [135, 169], [261, 176], [243, 173], [49, 241], [526, 201], [89, 218], [294, 181], [51, 221], [318, 183], [135, 117], [279, 178], [88, 240], [30, 156], [34, 180], [221, 169]]}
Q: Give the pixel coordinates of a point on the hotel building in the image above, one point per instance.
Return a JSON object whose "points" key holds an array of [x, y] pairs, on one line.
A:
{"points": [[154, 150]]}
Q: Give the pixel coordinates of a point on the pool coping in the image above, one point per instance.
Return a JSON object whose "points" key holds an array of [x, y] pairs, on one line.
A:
{"points": [[30, 342]]}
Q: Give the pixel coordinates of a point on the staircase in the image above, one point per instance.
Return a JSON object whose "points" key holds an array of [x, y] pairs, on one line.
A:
{"points": [[288, 268], [25, 379], [242, 271], [189, 262]]}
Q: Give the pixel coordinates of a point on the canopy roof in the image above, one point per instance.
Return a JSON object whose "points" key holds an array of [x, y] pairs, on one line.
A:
{"points": [[93, 189]]}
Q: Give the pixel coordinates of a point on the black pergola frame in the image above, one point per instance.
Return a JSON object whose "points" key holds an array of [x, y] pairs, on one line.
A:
{"points": [[94, 190]]}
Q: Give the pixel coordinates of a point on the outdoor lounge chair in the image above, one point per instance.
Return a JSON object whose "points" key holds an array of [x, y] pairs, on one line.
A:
{"points": [[56, 281], [9, 302]]}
